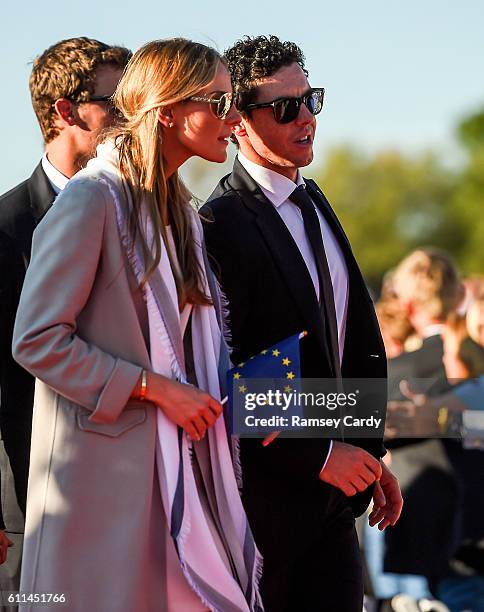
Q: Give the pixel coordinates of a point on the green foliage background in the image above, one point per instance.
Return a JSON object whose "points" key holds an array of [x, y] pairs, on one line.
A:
{"points": [[390, 203]]}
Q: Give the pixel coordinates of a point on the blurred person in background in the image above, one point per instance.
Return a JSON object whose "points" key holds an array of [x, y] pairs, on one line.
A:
{"points": [[70, 85], [475, 320], [463, 357], [396, 330], [474, 286], [462, 586], [435, 473], [395, 326], [428, 286]]}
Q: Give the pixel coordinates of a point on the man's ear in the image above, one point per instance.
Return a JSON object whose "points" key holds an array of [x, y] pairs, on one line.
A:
{"points": [[65, 111], [165, 117]]}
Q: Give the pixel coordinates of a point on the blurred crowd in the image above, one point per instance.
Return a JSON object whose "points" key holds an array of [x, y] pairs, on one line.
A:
{"points": [[432, 322]]}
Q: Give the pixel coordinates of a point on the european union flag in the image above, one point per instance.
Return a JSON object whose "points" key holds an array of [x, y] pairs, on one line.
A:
{"points": [[280, 364]]}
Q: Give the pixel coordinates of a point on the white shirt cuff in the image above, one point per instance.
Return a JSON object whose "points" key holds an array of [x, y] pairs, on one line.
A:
{"points": [[327, 456]]}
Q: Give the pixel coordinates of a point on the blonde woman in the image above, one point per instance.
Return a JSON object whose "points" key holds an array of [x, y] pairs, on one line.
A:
{"points": [[133, 502]]}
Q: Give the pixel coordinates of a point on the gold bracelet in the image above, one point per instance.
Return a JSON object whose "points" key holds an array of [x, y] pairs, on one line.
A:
{"points": [[142, 393]]}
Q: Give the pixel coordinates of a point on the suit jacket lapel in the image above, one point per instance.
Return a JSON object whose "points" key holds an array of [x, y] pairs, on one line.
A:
{"points": [[324, 206], [41, 193], [41, 196], [354, 272], [358, 295], [284, 250]]}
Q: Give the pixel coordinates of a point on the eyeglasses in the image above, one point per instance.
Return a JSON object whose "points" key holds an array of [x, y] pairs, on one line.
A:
{"points": [[286, 110], [108, 99], [219, 106], [100, 99], [109, 103]]}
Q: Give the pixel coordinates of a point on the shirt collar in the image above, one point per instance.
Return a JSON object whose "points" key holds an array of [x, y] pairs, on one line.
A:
{"points": [[56, 178], [434, 329], [276, 187]]}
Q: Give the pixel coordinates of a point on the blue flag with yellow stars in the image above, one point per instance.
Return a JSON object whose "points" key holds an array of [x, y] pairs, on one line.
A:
{"points": [[281, 362]]}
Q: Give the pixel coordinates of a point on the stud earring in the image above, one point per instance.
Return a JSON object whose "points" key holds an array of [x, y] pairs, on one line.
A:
{"points": [[171, 124]]}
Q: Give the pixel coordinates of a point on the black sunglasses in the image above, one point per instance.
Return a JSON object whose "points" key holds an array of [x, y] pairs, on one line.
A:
{"points": [[108, 99], [219, 106], [110, 104], [286, 110], [100, 99]]}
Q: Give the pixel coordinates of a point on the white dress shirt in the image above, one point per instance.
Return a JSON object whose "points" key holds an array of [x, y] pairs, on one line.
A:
{"points": [[56, 179], [277, 189]]}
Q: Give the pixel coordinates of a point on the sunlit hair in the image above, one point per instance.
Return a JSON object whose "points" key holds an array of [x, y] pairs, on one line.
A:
{"points": [[253, 58], [429, 279], [68, 70], [160, 74]]}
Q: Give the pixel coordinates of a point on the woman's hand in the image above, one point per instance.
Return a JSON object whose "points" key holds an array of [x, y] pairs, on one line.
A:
{"points": [[194, 410]]}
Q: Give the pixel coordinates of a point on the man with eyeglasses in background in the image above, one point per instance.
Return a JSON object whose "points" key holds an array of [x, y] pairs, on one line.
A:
{"points": [[285, 265], [71, 85]]}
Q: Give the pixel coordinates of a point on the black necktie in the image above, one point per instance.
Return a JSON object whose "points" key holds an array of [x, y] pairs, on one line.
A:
{"points": [[312, 228]]}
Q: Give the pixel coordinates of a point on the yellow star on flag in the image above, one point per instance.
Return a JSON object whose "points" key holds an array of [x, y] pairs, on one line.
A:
{"points": [[241, 365], [237, 375], [286, 361], [287, 389], [290, 375], [263, 352], [242, 388], [276, 353]]}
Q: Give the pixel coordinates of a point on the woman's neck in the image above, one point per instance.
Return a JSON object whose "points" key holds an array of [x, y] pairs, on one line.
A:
{"points": [[174, 153]]}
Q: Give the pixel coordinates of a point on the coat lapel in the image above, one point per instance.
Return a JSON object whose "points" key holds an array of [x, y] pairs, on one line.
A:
{"points": [[285, 252]]}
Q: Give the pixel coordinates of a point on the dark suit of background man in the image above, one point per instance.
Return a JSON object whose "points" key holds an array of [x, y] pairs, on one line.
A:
{"points": [[69, 85], [272, 270], [445, 546]]}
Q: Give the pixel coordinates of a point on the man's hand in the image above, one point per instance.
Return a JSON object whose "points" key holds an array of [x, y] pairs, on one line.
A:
{"points": [[350, 468], [387, 501], [5, 544]]}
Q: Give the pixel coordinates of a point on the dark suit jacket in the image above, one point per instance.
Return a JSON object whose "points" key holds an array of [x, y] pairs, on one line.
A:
{"points": [[20, 211], [424, 367], [271, 296]]}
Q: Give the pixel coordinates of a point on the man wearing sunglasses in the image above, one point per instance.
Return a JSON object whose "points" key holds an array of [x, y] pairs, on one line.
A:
{"points": [[286, 266], [70, 85]]}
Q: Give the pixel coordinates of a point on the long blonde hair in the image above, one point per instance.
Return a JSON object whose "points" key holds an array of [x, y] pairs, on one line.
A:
{"points": [[159, 74]]}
